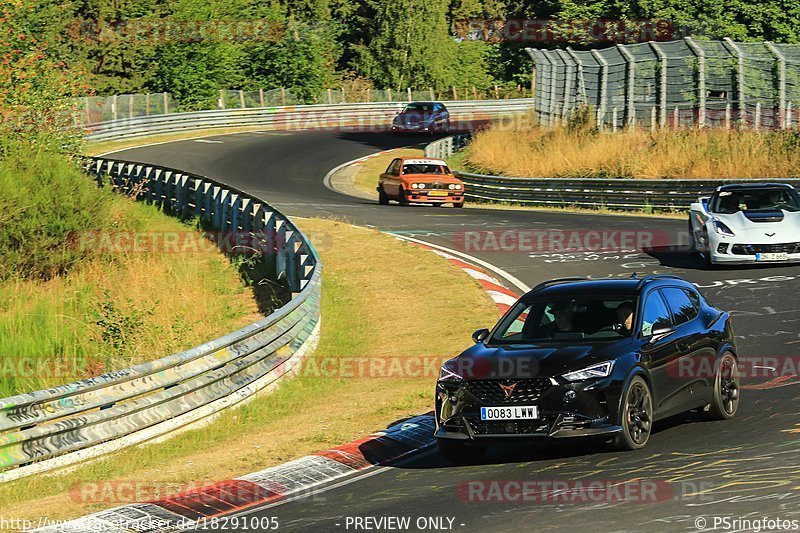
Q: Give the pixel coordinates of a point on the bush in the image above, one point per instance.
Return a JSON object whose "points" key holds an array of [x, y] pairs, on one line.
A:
{"points": [[47, 202]]}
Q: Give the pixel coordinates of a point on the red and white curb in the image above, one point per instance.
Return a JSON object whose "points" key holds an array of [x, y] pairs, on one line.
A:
{"points": [[194, 507], [503, 297], [190, 509]]}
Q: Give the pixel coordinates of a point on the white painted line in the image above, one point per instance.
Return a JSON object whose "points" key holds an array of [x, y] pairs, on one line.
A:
{"points": [[488, 266], [208, 141]]}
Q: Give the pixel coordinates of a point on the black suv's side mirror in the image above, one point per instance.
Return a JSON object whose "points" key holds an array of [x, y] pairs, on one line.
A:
{"points": [[480, 335]]}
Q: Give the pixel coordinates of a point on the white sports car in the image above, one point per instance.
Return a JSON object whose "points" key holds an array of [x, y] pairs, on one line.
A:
{"points": [[747, 223]]}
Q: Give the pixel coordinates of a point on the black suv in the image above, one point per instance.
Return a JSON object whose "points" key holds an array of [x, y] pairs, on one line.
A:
{"points": [[575, 358]]}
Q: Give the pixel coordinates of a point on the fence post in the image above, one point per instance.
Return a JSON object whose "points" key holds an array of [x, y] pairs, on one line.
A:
{"points": [[676, 118], [601, 108], [433, 96], [241, 98], [261, 97], [740, 82], [568, 66], [701, 80], [344, 98], [409, 93], [222, 99], [581, 80], [788, 120], [728, 116], [147, 104], [551, 121], [283, 96], [389, 90], [130, 105], [781, 83], [630, 104], [662, 84], [758, 116], [330, 96], [114, 108], [614, 119], [166, 103]]}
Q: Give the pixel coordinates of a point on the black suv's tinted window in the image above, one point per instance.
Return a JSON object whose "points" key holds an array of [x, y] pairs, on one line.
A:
{"points": [[683, 310], [655, 315]]}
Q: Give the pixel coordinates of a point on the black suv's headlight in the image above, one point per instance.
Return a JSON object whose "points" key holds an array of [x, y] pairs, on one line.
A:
{"points": [[601, 370], [448, 372]]}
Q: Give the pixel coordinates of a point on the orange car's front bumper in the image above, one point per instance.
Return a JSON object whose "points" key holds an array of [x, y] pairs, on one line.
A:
{"points": [[423, 197]]}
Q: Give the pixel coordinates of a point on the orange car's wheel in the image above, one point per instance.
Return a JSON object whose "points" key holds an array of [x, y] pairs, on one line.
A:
{"points": [[383, 199], [401, 199], [459, 204]]}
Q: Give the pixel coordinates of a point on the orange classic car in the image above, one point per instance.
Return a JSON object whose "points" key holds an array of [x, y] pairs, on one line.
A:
{"points": [[420, 181]]}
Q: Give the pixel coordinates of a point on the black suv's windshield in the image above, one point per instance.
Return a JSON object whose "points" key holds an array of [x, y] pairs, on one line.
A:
{"points": [[567, 318], [757, 199]]}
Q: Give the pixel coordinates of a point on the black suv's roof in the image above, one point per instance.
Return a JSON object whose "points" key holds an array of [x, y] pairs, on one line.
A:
{"points": [[586, 287], [761, 185]]}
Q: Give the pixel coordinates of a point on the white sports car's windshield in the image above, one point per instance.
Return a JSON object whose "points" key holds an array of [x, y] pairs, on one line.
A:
{"points": [[760, 199]]}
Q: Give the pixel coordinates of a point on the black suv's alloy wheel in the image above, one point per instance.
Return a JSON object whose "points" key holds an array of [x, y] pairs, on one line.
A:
{"points": [[637, 416], [726, 389]]}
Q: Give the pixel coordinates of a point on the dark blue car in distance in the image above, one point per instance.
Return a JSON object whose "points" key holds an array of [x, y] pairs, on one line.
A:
{"points": [[581, 358], [422, 117]]}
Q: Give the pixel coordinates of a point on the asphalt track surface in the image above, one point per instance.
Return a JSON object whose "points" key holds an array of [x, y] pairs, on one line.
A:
{"points": [[747, 468]]}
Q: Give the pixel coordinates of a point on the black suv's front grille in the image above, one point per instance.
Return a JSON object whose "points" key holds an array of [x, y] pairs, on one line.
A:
{"points": [[508, 391], [495, 427], [753, 249]]}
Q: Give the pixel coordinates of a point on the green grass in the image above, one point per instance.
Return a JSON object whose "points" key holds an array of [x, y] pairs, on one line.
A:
{"points": [[70, 312]]}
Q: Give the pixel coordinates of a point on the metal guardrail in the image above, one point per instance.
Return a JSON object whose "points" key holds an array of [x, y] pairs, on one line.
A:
{"points": [[591, 193], [50, 428], [465, 115]]}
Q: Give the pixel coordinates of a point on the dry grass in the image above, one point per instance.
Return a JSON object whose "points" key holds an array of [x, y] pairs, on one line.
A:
{"points": [[368, 311], [523, 149]]}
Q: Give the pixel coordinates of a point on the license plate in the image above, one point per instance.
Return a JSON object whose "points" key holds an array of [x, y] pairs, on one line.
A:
{"points": [[772, 257], [520, 412], [437, 193]]}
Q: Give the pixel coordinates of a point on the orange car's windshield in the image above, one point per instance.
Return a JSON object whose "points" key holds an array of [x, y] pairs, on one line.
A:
{"points": [[424, 169]]}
